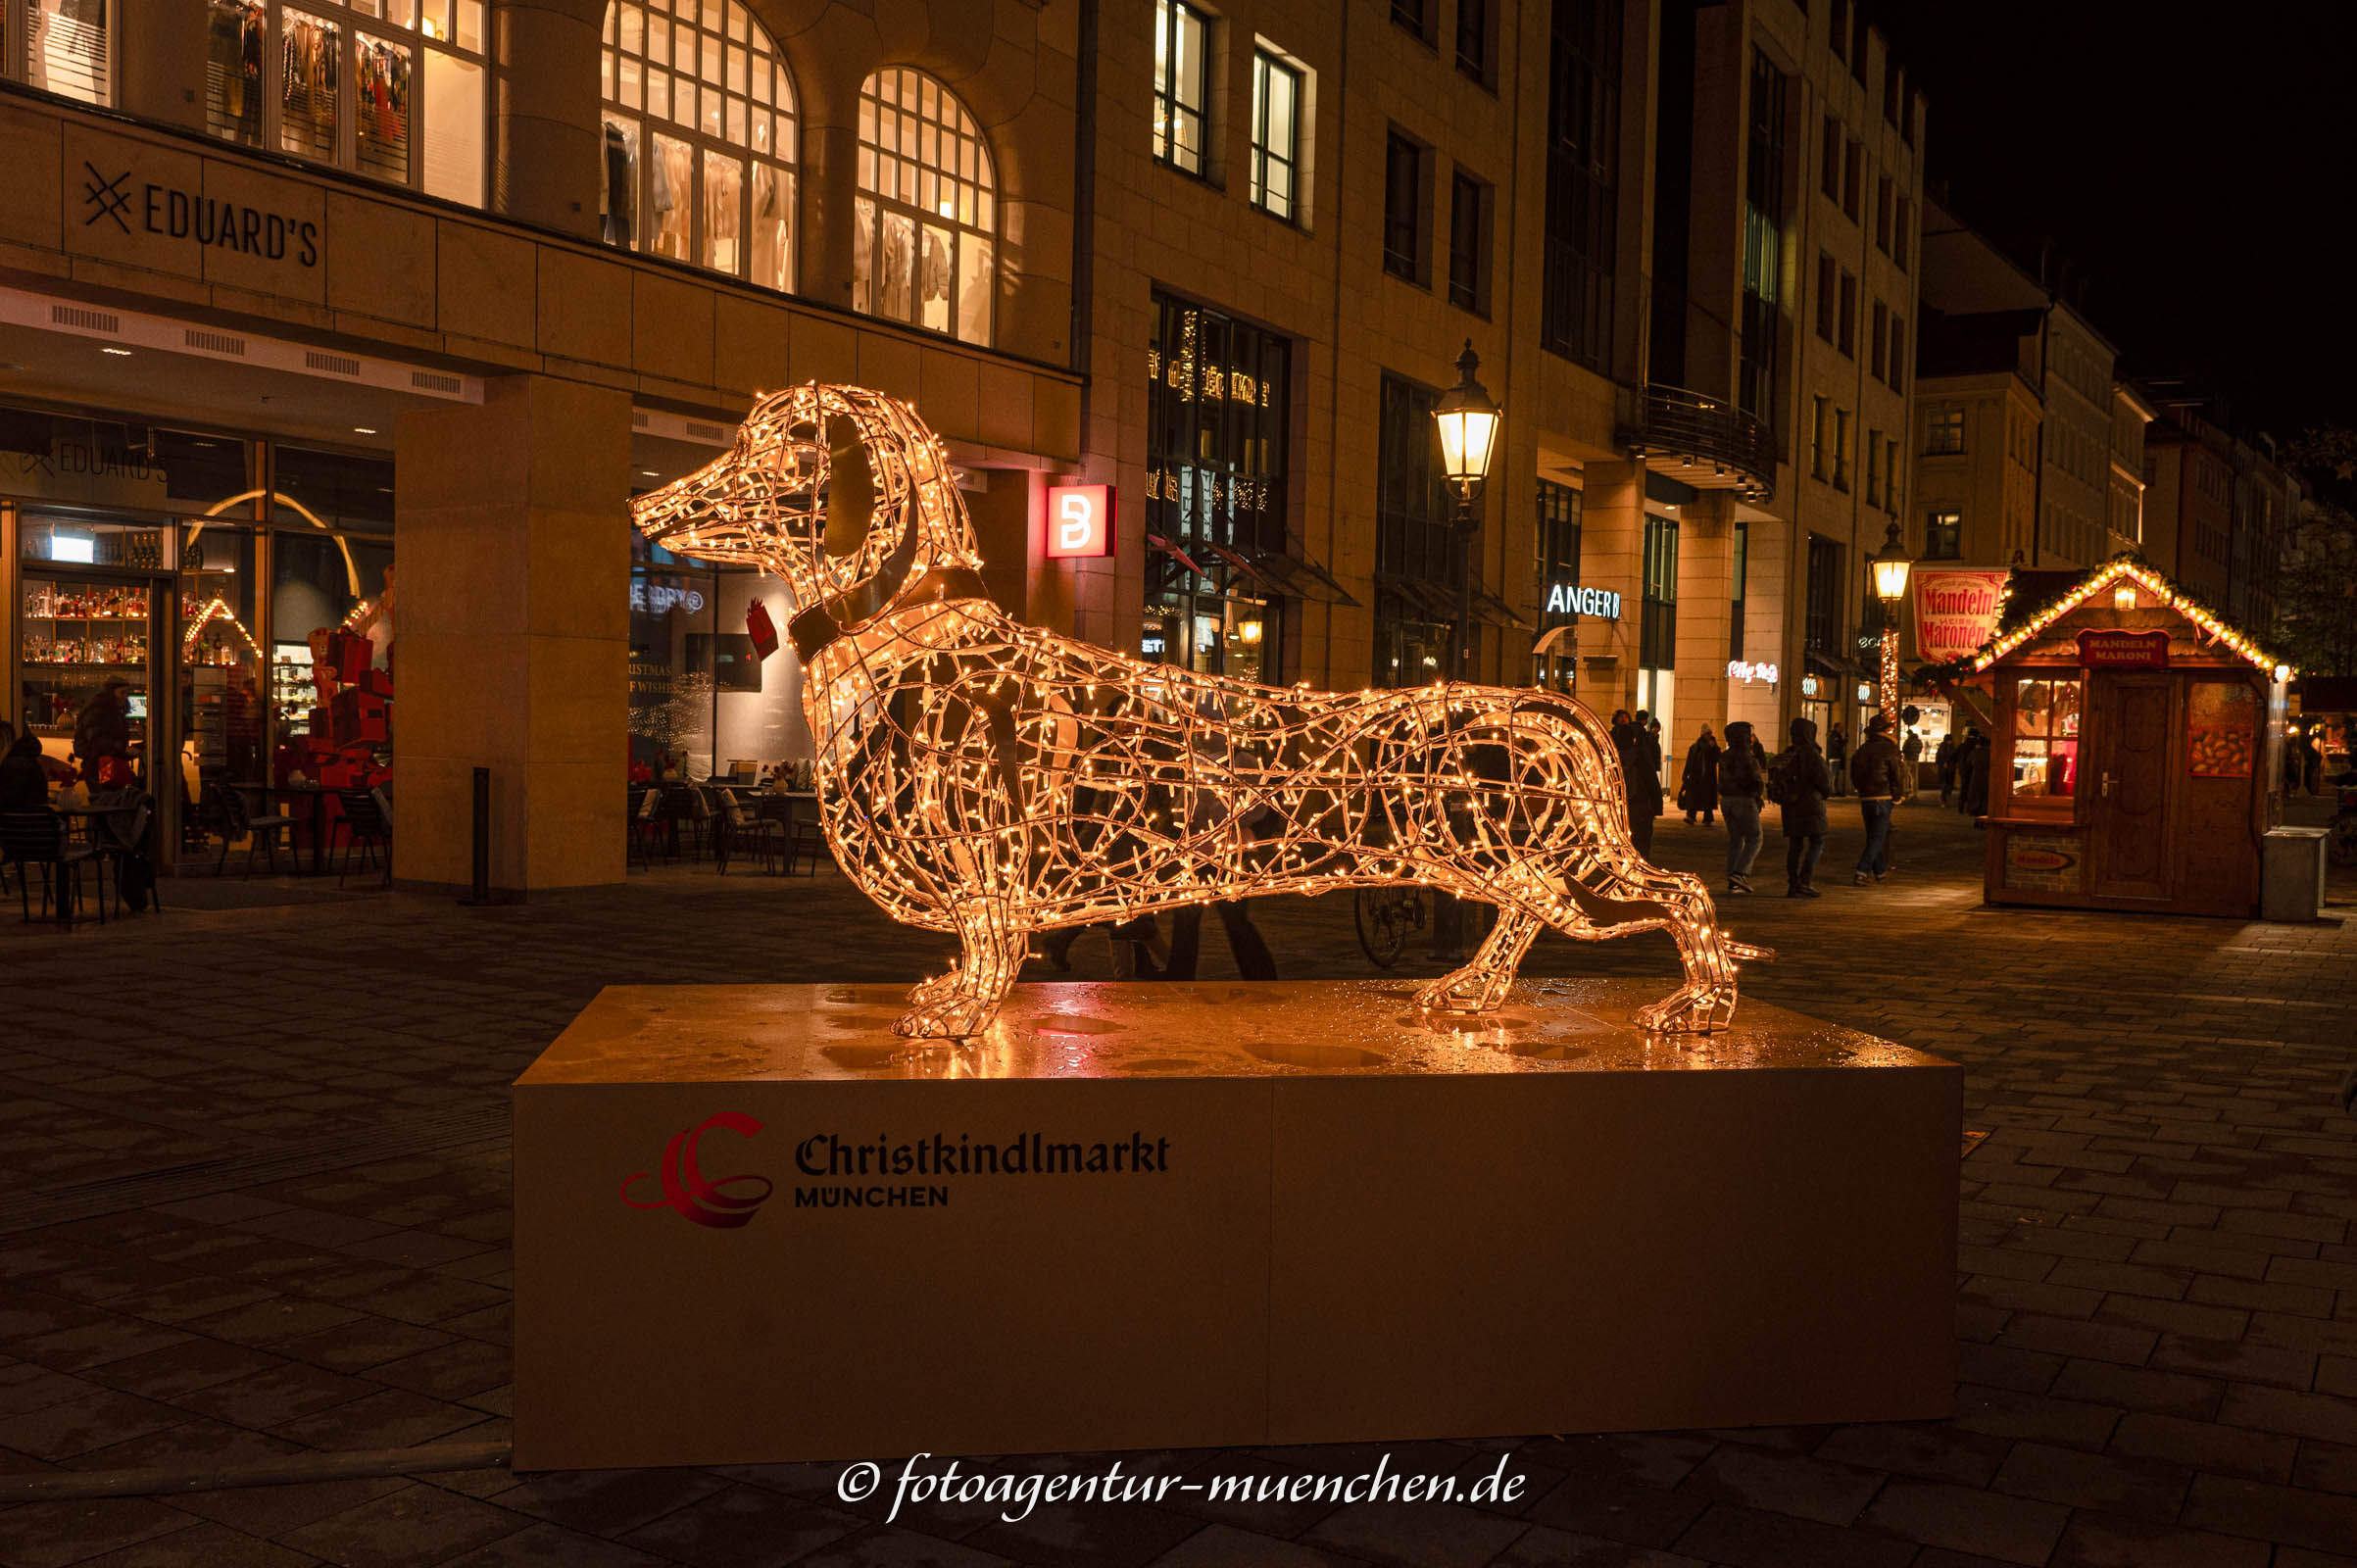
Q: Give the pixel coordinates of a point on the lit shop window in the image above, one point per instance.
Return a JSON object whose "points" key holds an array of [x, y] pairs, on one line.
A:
{"points": [[394, 89], [60, 46], [700, 134], [1276, 135], [2045, 744], [926, 210]]}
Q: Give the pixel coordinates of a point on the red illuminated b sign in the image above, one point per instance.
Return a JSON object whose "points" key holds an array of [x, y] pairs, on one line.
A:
{"points": [[1080, 520]]}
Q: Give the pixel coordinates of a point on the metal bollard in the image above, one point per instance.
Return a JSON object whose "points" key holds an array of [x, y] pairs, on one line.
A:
{"points": [[481, 893]]}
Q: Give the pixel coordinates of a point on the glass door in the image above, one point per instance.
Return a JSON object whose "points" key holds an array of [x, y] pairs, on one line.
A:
{"points": [[222, 675]]}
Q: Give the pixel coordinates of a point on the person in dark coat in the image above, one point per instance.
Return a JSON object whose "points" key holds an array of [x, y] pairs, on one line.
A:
{"points": [[1743, 788], [1641, 769], [103, 731], [1944, 760], [1978, 758], [23, 783], [1883, 779], [1801, 765], [1837, 757], [1699, 783]]}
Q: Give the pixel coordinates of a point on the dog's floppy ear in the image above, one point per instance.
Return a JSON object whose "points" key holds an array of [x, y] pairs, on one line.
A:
{"points": [[851, 492]]}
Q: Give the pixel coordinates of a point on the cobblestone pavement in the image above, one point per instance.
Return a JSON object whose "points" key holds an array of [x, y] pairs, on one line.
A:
{"points": [[255, 1205]]}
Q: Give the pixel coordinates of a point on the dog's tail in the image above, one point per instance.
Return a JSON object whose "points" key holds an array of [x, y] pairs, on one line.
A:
{"points": [[1745, 952]]}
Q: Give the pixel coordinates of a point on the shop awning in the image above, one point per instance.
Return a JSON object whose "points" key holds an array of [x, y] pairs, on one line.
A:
{"points": [[1254, 579], [1431, 601], [1300, 578], [1157, 542], [1488, 608]]}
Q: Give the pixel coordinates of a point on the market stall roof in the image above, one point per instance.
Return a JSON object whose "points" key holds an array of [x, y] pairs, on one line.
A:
{"points": [[2035, 599]]}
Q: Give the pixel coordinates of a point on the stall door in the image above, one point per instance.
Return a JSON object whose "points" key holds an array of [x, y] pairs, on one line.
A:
{"points": [[2131, 786]]}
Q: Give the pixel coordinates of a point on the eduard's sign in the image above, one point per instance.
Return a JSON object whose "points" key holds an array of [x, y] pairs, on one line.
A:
{"points": [[174, 214]]}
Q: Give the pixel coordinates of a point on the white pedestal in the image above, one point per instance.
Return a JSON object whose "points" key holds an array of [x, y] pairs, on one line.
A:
{"points": [[1299, 1213]]}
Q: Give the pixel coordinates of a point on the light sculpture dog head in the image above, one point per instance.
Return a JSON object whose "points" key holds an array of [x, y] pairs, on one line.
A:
{"points": [[840, 491]]}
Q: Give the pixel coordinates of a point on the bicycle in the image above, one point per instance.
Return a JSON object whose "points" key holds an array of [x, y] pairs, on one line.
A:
{"points": [[1388, 918]]}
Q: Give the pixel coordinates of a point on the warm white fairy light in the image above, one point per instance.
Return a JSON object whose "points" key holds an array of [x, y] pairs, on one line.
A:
{"points": [[218, 609], [2165, 593], [988, 779]]}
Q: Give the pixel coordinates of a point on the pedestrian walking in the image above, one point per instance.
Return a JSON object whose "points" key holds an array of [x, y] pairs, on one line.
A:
{"points": [[1698, 782], [1743, 788], [1799, 783], [1978, 758], [1837, 757], [1945, 762], [1911, 750], [1641, 770], [1880, 771]]}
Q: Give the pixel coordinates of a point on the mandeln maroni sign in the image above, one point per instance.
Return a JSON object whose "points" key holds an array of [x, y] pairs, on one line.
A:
{"points": [[1956, 610]]}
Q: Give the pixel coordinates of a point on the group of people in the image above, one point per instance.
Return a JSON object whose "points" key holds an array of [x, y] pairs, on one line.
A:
{"points": [[1739, 778]]}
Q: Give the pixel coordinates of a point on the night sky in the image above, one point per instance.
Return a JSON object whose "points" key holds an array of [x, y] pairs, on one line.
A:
{"points": [[2198, 167]]}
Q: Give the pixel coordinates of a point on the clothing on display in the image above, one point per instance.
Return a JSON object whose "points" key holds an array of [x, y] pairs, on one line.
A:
{"points": [[233, 37], [616, 200], [312, 50], [66, 48], [383, 85]]}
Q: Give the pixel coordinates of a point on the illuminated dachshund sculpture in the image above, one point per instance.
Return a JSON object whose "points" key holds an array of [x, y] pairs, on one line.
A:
{"points": [[985, 777]]}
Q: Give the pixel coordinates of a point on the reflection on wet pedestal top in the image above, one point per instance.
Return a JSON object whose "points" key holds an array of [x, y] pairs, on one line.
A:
{"points": [[1100, 1030]]}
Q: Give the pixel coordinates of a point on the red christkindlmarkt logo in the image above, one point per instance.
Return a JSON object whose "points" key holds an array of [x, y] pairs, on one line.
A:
{"points": [[685, 1187]]}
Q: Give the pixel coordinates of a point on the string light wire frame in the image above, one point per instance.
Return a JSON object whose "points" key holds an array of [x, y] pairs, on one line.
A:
{"points": [[988, 779]]}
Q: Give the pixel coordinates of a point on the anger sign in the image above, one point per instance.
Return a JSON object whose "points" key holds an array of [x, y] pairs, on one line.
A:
{"points": [[1080, 520]]}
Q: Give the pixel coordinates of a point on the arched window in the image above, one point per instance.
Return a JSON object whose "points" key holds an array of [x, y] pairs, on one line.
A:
{"points": [[699, 126], [394, 89], [927, 210], [60, 46]]}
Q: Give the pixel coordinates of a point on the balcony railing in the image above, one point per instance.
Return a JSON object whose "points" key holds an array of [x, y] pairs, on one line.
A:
{"points": [[1705, 441]]}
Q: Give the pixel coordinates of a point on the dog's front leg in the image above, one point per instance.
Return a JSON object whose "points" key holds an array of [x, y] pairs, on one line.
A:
{"points": [[963, 1002]]}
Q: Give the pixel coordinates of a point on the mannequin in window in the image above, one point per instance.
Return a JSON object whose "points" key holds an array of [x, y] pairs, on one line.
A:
{"points": [[619, 188]]}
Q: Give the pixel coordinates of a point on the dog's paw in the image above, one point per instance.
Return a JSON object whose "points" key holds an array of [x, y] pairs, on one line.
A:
{"points": [[1464, 991], [1694, 1009]]}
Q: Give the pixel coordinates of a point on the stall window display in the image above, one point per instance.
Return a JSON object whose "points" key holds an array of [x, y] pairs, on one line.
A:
{"points": [[60, 46], [699, 138], [393, 89], [926, 216], [2045, 743]]}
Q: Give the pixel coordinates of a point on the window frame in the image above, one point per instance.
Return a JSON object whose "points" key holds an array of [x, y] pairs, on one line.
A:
{"points": [[1944, 525], [1413, 226], [935, 109], [1469, 269], [1479, 67], [15, 52], [639, 230], [1846, 317], [1936, 427], [1267, 66], [418, 38], [1840, 480], [1172, 22]]}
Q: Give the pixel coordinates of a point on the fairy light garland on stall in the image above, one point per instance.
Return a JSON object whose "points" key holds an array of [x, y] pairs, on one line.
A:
{"points": [[986, 777], [2214, 628]]}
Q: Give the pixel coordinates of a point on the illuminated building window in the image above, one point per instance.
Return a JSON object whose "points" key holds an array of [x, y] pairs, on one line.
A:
{"points": [[1277, 133], [1180, 84], [393, 89], [2045, 744], [927, 208], [1216, 415], [1943, 536], [60, 46], [699, 128]]}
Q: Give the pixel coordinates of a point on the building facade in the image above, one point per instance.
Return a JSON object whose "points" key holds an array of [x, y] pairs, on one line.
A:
{"points": [[323, 322]]}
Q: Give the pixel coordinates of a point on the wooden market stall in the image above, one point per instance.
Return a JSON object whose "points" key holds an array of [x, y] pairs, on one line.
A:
{"points": [[2136, 759]]}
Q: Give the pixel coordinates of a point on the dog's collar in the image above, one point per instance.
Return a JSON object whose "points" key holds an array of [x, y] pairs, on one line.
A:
{"points": [[825, 623]]}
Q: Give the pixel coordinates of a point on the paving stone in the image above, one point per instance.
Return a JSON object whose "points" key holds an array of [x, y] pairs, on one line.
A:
{"points": [[1747, 1537], [2141, 1489], [1809, 1489], [1933, 1452], [2264, 1512], [203, 1546], [2009, 1529], [415, 1525], [51, 1535], [751, 1527], [1615, 1509], [551, 1546], [2063, 1337], [2139, 1389], [2101, 1540], [2303, 1415], [2326, 1467], [1543, 1548], [1410, 1535]]}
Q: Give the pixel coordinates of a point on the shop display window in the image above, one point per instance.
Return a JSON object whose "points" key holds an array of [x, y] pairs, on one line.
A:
{"points": [[2045, 743], [61, 46], [925, 216], [393, 89], [714, 186]]}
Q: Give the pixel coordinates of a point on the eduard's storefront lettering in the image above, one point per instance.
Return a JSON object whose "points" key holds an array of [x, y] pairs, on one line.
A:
{"points": [[184, 215]]}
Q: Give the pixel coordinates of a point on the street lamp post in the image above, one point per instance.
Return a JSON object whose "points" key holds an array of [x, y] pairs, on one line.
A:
{"points": [[1890, 564], [1468, 420]]}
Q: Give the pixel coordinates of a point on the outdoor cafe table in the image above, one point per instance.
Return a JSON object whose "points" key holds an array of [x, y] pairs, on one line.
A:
{"points": [[317, 813]]}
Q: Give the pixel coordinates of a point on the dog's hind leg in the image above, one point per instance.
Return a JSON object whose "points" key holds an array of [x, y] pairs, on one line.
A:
{"points": [[962, 1002], [1481, 985], [1632, 896]]}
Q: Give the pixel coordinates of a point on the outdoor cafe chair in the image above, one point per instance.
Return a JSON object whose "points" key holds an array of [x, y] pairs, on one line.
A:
{"points": [[38, 838], [365, 828], [741, 828], [260, 832]]}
